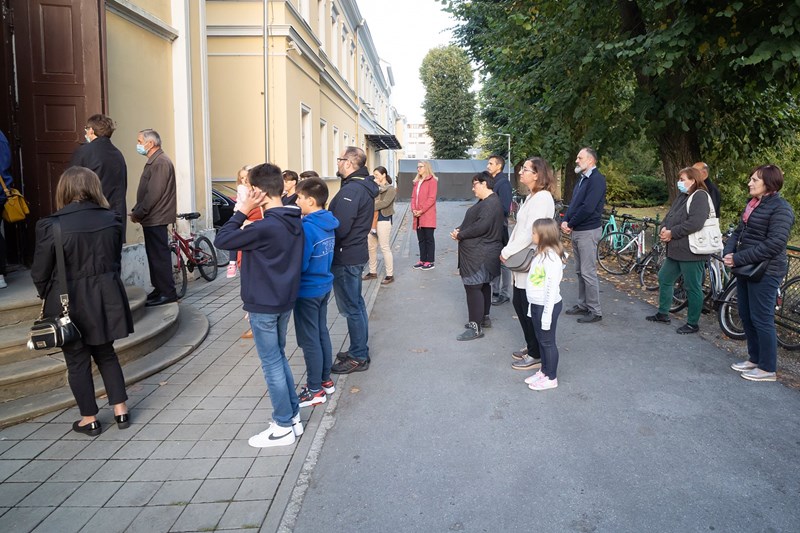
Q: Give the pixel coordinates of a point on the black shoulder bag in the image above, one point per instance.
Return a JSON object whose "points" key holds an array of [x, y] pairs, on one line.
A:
{"points": [[55, 332]]}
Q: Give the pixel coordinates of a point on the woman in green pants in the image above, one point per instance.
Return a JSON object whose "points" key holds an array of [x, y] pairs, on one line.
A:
{"points": [[687, 215]]}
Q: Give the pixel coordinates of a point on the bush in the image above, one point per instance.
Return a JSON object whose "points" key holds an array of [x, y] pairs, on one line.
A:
{"points": [[636, 190], [650, 190]]}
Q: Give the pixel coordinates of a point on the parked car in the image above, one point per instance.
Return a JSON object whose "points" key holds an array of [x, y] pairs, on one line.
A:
{"points": [[223, 206]]}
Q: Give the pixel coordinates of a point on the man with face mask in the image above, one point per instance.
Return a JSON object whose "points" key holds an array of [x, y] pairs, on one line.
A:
{"points": [[104, 159], [155, 208], [584, 220]]}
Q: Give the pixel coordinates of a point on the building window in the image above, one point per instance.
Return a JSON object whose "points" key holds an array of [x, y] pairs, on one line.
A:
{"points": [[323, 146], [337, 149], [306, 152], [334, 57], [305, 10], [322, 23]]}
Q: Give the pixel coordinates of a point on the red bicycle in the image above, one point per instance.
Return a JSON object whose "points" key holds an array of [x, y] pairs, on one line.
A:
{"points": [[191, 252]]}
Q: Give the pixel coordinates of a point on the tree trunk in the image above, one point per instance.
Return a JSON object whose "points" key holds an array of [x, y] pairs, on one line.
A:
{"points": [[570, 178], [678, 149]]}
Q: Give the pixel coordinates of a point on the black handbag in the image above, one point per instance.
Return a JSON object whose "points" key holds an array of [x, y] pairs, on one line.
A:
{"points": [[54, 332], [752, 272], [521, 261]]}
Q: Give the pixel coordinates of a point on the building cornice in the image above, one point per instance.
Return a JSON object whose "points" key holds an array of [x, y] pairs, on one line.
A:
{"points": [[138, 16], [330, 82], [285, 30]]}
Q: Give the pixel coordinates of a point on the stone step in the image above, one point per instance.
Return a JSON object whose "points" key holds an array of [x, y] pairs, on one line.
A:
{"points": [[46, 372], [192, 328], [14, 335]]}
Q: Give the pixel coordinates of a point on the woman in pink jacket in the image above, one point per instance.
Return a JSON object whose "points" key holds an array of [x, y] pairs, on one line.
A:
{"points": [[423, 207]]}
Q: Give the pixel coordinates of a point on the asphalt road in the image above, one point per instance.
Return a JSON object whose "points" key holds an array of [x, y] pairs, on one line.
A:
{"points": [[647, 431]]}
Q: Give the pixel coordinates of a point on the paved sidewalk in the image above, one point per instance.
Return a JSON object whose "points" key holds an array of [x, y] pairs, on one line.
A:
{"points": [[184, 464]]}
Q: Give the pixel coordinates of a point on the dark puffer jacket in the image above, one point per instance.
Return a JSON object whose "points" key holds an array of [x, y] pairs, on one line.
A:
{"points": [[764, 236]]}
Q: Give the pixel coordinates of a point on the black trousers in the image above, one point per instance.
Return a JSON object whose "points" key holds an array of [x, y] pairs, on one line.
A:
{"points": [[427, 244], [520, 301], [159, 260], [479, 301], [78, 357]]}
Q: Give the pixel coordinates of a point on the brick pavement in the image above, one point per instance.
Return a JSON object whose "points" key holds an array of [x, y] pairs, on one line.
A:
{"points": [[184, 464]]}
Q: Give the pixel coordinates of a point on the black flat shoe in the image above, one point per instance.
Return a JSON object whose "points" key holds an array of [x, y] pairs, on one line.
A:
{"points": [[92, 429], [658, 317], [123, 421]]}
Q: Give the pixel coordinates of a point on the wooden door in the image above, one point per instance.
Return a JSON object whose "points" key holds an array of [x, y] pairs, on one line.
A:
{"points": [[58, 48]]}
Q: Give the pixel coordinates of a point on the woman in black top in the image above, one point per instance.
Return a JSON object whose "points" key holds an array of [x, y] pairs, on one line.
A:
{"points": [[761, 236], [480, 240], [91, 237]]}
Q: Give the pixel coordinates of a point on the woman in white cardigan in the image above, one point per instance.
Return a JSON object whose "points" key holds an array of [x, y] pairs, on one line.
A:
{"points": [[537, 175]]}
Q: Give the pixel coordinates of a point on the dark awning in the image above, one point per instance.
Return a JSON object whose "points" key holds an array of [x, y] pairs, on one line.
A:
{"points": [[384, 142]]}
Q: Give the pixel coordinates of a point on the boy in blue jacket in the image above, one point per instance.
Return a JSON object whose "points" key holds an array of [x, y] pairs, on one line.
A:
{"points": [[272, 252], [316, 282]]}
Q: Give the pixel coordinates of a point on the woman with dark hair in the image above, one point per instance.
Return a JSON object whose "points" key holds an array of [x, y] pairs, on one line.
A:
{"points": [[91, 238], [537, 175], [687, 215], [480, 239], [382, 227], [761, 237]]}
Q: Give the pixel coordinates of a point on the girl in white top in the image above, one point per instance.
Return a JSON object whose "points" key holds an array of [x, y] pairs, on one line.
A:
{"points": [[544, 298], [242, 188], [537, 175]]}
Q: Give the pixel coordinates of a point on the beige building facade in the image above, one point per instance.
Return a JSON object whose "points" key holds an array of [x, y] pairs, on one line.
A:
{"points": [[226, 83]]}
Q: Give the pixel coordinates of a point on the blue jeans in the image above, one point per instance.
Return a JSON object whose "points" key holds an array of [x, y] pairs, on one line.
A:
{"points": [[347, 288], [756, 303], [311, 328], [269, 334], [547, 339]]}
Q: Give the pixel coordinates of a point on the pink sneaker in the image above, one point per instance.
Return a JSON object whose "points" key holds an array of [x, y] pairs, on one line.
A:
{"points": [[544, 384], [231, 269], [534, 378]]}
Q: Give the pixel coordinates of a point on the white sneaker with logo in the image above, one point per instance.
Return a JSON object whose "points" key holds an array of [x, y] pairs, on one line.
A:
{"points": [[274, 435], [297, 425]]}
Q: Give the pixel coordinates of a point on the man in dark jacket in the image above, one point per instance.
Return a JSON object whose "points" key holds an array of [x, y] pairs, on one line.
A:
{"points": [[105, 160], [713, 190], [501, 285], [154, 210], [584, 220], [353, 206]]}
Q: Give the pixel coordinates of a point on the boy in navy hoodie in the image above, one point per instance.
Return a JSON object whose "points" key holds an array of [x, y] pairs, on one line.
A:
{"points": [[272, 252], [316, 282]]}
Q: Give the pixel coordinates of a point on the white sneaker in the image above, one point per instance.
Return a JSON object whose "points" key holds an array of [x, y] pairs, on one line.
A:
{"points": [[744, 366], [297, 425], [544, 384], [274, 435], [534, 378], [3, 283]]}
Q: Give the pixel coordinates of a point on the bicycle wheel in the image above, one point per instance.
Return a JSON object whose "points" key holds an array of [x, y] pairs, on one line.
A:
{"points": [[205, 257], [223, 257], [616, 253], [648, 275], [787, 316], [679, 298], [728, 314], [179, 272]]}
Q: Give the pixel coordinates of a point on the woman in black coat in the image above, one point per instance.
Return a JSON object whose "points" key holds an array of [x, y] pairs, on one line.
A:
{"points": [[92, 241], [480, 240], [761, 236]]}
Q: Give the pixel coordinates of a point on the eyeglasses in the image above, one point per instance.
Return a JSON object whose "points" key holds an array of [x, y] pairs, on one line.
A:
{"points": [[527, 170], [341, 159]]}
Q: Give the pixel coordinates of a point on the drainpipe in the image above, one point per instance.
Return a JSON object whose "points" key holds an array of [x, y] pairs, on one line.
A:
{"points": [[265, 33]]}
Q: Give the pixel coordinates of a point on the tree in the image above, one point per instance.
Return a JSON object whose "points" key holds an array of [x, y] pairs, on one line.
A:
{"points": [[700, 79], [449, 104]]}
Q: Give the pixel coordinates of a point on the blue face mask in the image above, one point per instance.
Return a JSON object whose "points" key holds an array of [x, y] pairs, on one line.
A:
{"points": [[140, 149], [682, 187]]}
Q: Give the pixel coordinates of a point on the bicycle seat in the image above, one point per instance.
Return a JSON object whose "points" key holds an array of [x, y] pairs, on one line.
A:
{"points": [[627, 216], [188, 216]]}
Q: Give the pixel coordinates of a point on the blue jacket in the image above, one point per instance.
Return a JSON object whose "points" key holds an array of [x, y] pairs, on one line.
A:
{"points": [[316, 278], [5, 165], [354, 207], [588, 199], [502, 188], [272, 253]]}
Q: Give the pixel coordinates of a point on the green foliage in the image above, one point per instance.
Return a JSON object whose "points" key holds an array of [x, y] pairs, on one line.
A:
{"points": [[449, 105], [704, 79]]}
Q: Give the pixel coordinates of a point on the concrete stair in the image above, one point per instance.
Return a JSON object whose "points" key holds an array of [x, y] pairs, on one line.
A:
{"points": [[35, 382]]}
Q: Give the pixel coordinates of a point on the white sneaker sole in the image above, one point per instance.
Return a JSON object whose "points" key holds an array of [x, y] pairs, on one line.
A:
{"points": [[266, 441], [543, 384], [315, 401], [772, 377]]}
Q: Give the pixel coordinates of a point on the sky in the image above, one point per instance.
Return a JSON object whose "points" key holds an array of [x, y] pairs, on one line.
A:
{"points": [[403, 32]]}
